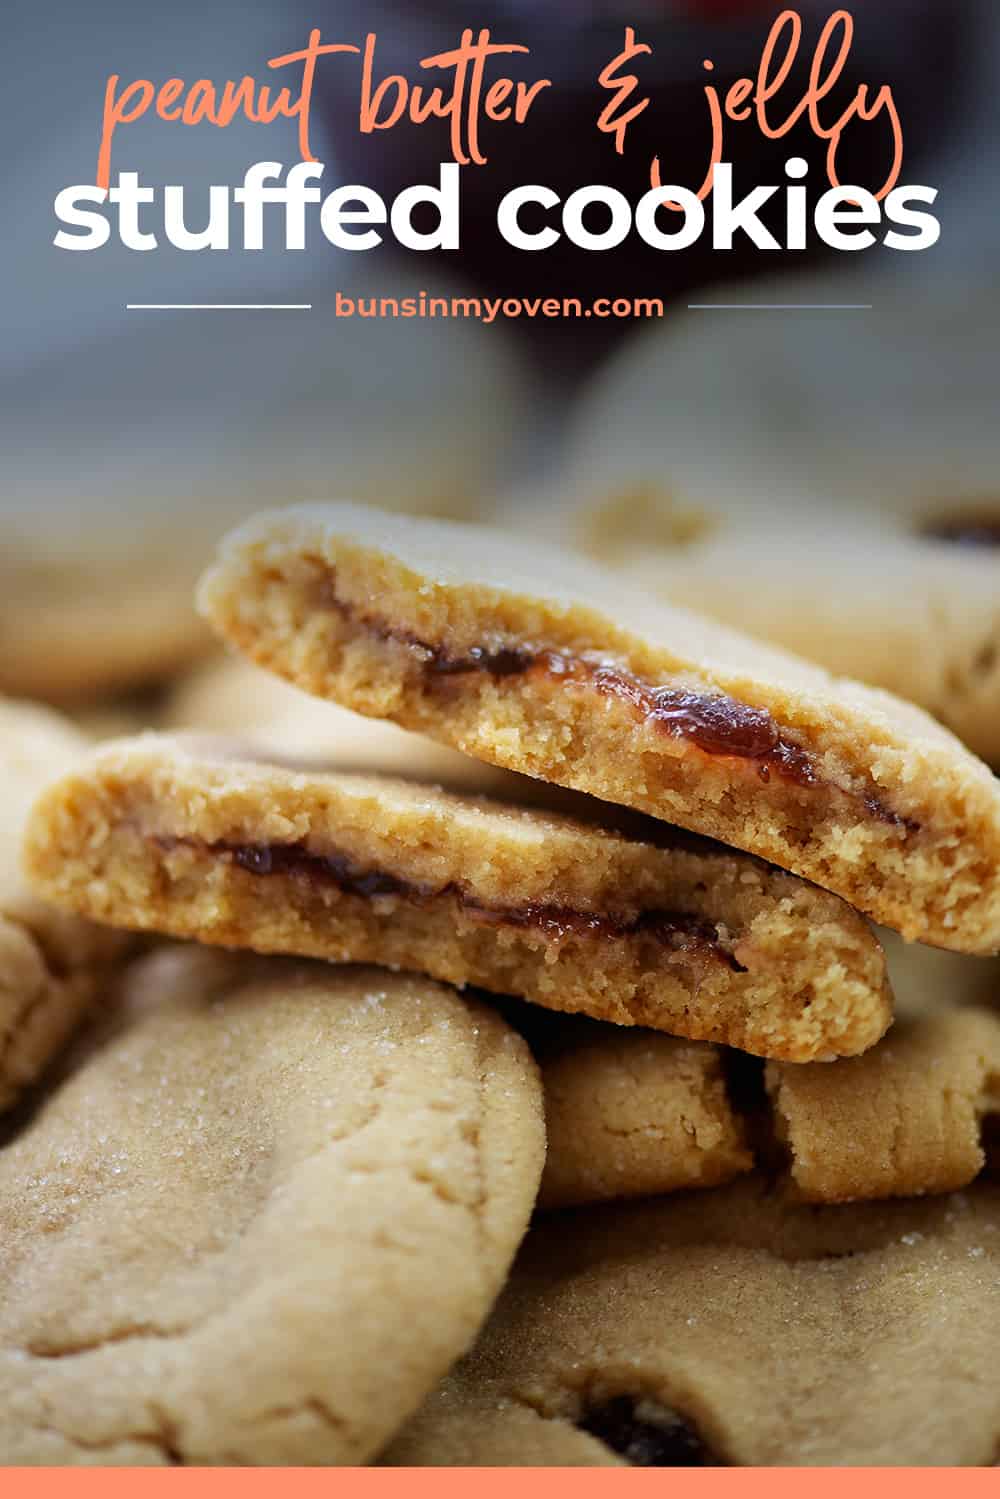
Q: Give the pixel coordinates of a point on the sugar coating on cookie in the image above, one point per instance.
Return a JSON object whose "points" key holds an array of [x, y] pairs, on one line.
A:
{"points": [[261, 1220], [546, 665], [51, 963], [209, 840], [636, 1114], [731, 1327]]}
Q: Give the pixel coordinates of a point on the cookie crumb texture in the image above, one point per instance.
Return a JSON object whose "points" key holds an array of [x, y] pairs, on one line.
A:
{"points": [[167, 835], [743, 1329], [549, 666], [261, 1218]]}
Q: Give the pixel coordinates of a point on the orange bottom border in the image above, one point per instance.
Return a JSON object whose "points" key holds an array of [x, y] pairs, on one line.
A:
{"points": [[486, 1483]]}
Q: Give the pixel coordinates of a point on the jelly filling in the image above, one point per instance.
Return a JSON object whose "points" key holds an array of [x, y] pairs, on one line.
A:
{"points": [[714, 723], [678, 930], [647, 1435]]}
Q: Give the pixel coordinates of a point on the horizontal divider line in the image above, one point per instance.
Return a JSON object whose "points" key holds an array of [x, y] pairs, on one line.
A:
{"points": [[779, 306], [218, 306]]}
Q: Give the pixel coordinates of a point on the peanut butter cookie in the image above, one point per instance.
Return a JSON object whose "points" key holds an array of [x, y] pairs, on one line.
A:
{"points": [[261, 1219], [732, 1327], [549, 666], [220, 843]]}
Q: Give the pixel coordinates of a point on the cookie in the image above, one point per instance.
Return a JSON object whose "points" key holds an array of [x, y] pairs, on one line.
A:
{"points": [[51, 964], [230, 697], [636, 1114], [200, 839], [546, 665], [910, 1117], [731, 1327], [102, 542], [633, 1113], [264, 1217], [709, 459]]}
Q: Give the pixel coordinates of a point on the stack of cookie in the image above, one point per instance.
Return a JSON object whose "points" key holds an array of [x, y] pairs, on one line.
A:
{"points": [[292, 1190]]}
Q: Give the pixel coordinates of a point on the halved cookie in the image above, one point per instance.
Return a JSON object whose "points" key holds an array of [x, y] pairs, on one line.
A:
{"points": [[546, 665], [213, 841], [257, 1223]]}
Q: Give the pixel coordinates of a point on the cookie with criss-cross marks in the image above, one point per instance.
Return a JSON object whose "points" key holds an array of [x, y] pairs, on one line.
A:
{"points": [[543, 664], [259, 1221], [51, 964], [732, 1327], [214, 841]]}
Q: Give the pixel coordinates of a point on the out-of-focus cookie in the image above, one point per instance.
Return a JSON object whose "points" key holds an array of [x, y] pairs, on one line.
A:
{"points": [[636, 1114], [117, 717], [731, 1327], [547, 665], [229, 696], [218, 842], [51, 964], [825, 481], [102, 540], [257, 1224], [743, 410], [928, 979]]}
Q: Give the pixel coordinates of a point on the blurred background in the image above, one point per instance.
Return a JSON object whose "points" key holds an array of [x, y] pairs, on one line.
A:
{"points": [[825, 479]]}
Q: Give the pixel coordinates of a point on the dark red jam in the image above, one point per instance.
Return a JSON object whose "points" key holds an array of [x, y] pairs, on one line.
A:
{"points": [[646, 1435], [717, 725], [680, 931]]}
